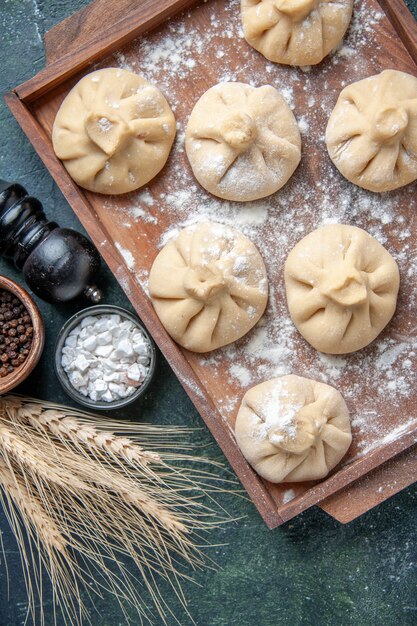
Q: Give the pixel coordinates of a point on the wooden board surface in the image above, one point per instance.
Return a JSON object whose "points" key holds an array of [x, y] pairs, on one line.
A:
{"points": [[194, 52], [373, 488]]}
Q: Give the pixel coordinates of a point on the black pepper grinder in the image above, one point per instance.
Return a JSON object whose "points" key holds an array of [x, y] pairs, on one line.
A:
{"points": [[58, 264]]}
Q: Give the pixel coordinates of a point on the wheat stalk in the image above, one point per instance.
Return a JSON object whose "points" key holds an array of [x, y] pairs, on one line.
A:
{"points": [[69, 428], [88, 496], [31, 509]]}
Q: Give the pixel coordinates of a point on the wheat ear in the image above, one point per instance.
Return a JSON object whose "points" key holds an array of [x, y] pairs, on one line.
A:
{"points": [[89, 497], [31, 508], [68, 428]]}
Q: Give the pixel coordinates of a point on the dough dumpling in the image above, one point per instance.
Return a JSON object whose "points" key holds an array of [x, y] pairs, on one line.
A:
{"points": [[208, 286], [342, 287], [372, 132], [243, 143], [113, 132], [295, 32], [292, 429]]}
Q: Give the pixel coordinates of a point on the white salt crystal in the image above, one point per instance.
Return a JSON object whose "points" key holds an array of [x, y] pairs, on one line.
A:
{"points": [[116, 390], [104, 351], [77, 380], [143, 360], [102, 325], [66, 362], [87, 321], [90, 343], [109, 366], [134, 373], [107, 396], [100, 386], [115, 377], [86, 332], [100, 359], [70, 352], [94, 374], [141, 348], [71, 341], [124, 349], [104, 338], [81, 363]]}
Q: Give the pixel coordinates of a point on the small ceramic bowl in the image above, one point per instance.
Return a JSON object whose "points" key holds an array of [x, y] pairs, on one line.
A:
{"points": [[101, 309], [22, 371]]}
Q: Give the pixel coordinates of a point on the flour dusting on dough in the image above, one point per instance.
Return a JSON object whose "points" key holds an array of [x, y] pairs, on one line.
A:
{"points": [[384, 369]]}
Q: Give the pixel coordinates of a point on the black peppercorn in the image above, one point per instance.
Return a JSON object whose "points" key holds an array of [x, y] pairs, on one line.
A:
{"points": [[16, 333]]}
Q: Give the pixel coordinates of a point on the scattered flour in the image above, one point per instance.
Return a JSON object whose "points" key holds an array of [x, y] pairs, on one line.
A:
{"points": [[240, 373], [303, 125], [376, 381], [278, 410], [128, 257], [289, 495]]}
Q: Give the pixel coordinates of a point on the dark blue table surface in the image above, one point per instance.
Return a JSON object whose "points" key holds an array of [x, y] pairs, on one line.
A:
{"points": [[309, 571]]}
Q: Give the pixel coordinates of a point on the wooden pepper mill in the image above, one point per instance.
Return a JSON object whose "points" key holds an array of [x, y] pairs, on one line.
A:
{"points": [[58, 264]]}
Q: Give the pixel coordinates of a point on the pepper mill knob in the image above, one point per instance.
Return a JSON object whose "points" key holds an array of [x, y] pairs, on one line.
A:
{"points": [[58, 264]]}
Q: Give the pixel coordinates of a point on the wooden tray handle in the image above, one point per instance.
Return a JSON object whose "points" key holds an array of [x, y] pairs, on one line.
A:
{"points": [[90, 24]]}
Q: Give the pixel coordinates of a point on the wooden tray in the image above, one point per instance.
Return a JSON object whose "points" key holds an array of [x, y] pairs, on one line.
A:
{"points": [[203, 46]]}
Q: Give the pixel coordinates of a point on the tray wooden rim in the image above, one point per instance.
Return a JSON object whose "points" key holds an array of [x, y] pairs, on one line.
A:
{"points": [[149, 17]]}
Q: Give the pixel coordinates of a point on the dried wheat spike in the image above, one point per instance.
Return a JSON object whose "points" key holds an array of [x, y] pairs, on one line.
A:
{"points": [[37, 464], [29, 505], [88, 498], [66, 427]]}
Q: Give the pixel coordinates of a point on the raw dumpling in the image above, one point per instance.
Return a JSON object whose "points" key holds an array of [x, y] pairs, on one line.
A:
{"points": [[293, 429], [295, 32], [342, 288], [113, 132], [242, 142], [208, 286], [372, 132]]}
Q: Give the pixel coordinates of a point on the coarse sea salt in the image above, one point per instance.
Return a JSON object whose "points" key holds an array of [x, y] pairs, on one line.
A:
{"points": [[106, 357], [385, 369]]}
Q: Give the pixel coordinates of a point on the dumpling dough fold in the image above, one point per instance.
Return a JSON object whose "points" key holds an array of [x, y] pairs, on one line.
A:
{"points": [[243, 143], [342, 287], [208, 286], [295, 32], [293, 429], [371, 135], [113, 131]]}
